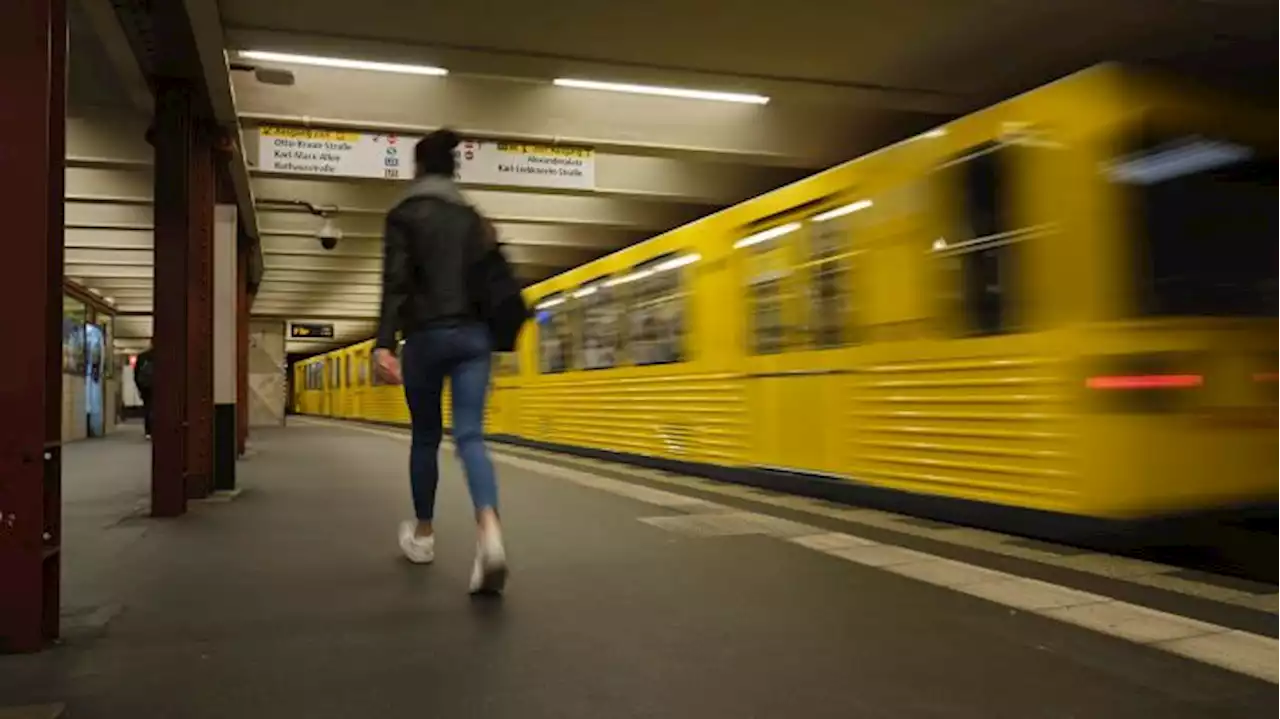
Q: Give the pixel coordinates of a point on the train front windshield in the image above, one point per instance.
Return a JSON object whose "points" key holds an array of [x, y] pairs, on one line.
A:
{"points": [[1205, 225]]}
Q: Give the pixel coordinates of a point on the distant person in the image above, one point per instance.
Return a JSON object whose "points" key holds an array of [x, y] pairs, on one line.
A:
{"points": [[433, 238], [144, 379]]}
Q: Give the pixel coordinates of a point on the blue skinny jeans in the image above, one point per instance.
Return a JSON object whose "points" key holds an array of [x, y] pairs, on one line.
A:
{"points": [[461, 353]]}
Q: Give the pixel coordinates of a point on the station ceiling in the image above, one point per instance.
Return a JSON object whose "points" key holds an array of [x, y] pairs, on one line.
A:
{"points": [[842, 78]]}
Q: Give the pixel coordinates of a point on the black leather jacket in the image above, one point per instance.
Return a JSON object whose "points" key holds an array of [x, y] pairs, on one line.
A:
{"points": [[432, 238]]}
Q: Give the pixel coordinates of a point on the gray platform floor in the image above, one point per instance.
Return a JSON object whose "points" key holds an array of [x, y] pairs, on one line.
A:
{"points": [[292, 601]]}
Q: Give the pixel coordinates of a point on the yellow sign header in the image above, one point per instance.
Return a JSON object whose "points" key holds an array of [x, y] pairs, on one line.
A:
{"points": [[308, 133]]}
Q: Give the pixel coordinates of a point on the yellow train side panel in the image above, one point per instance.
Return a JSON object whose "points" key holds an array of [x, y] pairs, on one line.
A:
{"points": [[912, 403]]}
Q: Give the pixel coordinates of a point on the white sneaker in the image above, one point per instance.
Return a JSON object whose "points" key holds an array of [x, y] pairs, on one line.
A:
{"points": [[419, 550], [489, 574]]}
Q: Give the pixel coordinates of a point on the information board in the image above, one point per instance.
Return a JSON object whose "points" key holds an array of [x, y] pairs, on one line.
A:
{"points": [[310, 329], [343, 153]]}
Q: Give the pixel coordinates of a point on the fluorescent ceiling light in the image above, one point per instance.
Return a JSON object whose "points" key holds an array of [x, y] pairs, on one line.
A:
{"points": [[1185, 158], [675, 262], [671, 264], [549, 303], [841, 211], [632, 277], [770, 234], [343, 63], [663, 91]]}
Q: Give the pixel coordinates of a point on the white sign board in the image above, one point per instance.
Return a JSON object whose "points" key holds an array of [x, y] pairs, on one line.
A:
{"points": [[341, 153]]}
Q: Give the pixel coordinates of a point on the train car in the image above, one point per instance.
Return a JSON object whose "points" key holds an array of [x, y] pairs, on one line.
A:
{"points": [[1051, 315], [344, 385]]}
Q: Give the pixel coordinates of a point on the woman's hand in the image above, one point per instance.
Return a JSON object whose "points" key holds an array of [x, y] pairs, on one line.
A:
{"points": [[387, 365]]}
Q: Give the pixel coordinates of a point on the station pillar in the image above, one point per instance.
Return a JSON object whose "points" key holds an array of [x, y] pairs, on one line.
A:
{"points": [[225, 346], [33, 45], [185, 186], [243, 300]]}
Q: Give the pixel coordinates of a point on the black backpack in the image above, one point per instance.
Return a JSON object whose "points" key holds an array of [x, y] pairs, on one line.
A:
{"points": [[495, 291], [143, 370]]}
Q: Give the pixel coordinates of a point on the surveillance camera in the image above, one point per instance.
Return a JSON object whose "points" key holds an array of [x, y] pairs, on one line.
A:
{"points": [[329, 234]]}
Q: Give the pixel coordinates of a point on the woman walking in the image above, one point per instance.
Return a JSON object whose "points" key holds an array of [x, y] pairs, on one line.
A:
{"points": [[432, 241]]}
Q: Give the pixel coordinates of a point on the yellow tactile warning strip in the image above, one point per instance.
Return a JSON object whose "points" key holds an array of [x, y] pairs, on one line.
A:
{"points": [[1237, 651]]}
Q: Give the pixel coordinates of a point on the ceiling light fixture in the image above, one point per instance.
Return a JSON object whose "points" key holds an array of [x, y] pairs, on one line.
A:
{"points": [[842, 211], [662, 91], [342, 63], [770, 234]]}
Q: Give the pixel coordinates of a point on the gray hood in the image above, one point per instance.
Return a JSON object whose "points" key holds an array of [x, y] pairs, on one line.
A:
{"points": [[435, 186]]}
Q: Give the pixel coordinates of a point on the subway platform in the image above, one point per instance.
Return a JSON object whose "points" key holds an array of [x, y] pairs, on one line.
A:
{"points": [[633, 594]]}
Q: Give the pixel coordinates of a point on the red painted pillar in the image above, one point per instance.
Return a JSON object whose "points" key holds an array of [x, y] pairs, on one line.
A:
{"points": [[172, 130], [202, 196], [33, 43], [182, 436]]}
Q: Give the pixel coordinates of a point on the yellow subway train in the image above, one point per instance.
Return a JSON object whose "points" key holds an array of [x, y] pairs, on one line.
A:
{"points": [[1056, 313]]}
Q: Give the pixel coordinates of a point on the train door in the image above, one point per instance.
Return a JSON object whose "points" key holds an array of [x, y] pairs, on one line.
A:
{"points": [[338, 395], [360, 381], [329, 387], [798, 277], [775, 393]]}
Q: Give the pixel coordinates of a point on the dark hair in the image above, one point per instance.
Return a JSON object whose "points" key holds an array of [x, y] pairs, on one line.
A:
{"points": [[433, 154]]}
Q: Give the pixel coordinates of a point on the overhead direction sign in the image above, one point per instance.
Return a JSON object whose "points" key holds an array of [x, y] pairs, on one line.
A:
{"points": [[343, 153]]}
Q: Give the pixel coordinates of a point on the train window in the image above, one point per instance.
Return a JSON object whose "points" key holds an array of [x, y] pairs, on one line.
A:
{"points": [[362, 373], [655, 321], [335, 373], [599, 314], [1205, 224], [770, 287], [828, 267], [979, 251], [555, 335], [507, 364], [346, 369]]}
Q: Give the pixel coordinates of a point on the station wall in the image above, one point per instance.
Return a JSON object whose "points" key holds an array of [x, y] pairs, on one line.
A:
{"points": [[267, 366]]}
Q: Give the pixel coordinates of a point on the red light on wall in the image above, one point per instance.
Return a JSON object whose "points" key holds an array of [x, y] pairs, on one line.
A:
{"points": [[1266, 377], [133, 361], [1146, 381]]}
